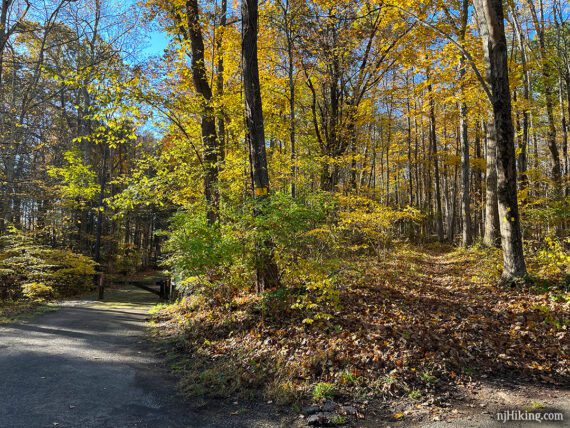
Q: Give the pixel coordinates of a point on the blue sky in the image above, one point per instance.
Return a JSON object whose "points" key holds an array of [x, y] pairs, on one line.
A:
{"points": [[156, 43]]}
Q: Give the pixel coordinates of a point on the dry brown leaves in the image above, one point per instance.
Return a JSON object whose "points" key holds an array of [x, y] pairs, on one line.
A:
{"points": [[414, 320]]}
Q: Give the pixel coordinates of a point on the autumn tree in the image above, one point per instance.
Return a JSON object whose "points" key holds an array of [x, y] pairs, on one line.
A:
{"points": [[491, 16]]}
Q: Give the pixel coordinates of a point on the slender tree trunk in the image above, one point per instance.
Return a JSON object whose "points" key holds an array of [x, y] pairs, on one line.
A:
{"points": [[564, 125], [566, 160], [546, 69], [267, 270], [208, 126], [524, 142], [101, 206], [292, 112], [478, 183], [220, 83], [491, 205], [409, 141], [466, 191], [464, 141], [433, 145]]}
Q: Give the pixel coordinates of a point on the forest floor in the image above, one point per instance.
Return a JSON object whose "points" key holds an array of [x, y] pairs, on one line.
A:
{"points": [[423, 336], [421, 339]]}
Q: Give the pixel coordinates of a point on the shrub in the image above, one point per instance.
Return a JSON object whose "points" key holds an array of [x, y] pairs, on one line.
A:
{"points": [[307, 237], [37, 291], [366, 224], [34, 271], [553, 259], [204, 258]]}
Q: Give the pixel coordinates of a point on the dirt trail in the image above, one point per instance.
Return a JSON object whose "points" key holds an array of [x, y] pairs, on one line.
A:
{"points": [[482, 400], [88, 365]]}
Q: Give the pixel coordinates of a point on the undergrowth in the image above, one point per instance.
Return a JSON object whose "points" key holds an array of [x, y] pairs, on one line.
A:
{"points": [[409, 322]]}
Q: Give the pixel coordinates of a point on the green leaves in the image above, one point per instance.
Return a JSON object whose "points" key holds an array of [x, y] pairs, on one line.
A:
{"points": [[36, 271], [78, 180]]}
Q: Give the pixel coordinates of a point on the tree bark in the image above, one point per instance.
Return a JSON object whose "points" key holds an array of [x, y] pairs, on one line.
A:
{"points": [[208, 125], [434, 159], [492, 19], [267, 270], [491, 237], [466, 191], [220, 82]]}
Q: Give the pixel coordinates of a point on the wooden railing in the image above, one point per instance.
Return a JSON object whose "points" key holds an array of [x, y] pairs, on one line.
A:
{"points": [[165, 288]]}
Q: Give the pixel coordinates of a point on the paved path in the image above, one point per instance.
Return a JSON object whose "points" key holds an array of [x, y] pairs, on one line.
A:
{"points": [[88, 365]]}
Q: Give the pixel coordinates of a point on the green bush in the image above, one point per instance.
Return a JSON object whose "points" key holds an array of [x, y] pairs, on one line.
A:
{"points": [[307, 236], [34, 271], [37, 291]]}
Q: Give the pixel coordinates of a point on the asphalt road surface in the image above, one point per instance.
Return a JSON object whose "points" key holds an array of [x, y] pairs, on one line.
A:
{"points": [[88, 364]]}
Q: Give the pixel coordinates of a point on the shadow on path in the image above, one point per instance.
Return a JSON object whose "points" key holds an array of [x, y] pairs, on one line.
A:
{"points": [[89, 365]]}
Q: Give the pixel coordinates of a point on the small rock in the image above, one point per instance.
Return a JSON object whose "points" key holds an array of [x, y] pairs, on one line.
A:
{"points": [[329, 406], [320, 419], [310, 410], [349, 410]]}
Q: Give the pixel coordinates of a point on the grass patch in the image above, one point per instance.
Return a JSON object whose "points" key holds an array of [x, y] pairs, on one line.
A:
{"points": [[11, 311], [415, 394], [323, 391]]}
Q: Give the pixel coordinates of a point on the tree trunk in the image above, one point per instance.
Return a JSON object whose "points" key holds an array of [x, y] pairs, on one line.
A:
{"points": [[101, 206], [267, 270], [466, 195], [220, 83], [546, 69], [433, 145], [491, 17], [523, 157], [564, 125], [292, 119], [464, 141], [208, 126]]}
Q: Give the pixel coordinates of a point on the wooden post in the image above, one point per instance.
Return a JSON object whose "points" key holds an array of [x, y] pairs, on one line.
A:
{"points": [[162, 289], [169, 289], [101, 286]]}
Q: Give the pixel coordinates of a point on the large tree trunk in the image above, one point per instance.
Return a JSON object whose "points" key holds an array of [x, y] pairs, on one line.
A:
{"points": [[208, 127], [490, 14], [267, 270]]}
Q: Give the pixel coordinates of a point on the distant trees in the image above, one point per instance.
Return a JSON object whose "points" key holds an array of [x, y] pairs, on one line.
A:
{"points": [[66, 130]]}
